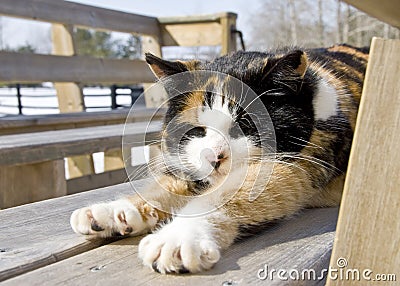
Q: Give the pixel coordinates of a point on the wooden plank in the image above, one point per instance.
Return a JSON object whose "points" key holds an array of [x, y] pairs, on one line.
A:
{"points": [[113, 160], [386, 10], [95, 181], [368, 234], [35, 123], [154, 95], [228, 41], [192, 34], [51, 145], [70, 13], [208, 18], [25, 68], [70, 95], [30, 183], [301, 243], [38, 234], [205, 30]]}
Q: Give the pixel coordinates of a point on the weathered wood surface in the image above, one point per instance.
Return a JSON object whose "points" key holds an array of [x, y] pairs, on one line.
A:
{"points": [[70, 94], [39, 234], [195, 18], [69, 13], [368, 233], [228, 43], [201, 34], [27, 68], [35, 123], [108, 178], [385, 10], [154, 95], [24, 184], [301, 242], [51, 145]]}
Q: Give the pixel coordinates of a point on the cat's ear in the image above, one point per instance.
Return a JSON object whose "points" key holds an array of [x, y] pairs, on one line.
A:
{"points": [[292, 65], [162, 68]]}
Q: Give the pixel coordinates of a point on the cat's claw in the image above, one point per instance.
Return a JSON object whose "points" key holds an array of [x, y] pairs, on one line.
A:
{"points": [[179, 250], [113, 219]]}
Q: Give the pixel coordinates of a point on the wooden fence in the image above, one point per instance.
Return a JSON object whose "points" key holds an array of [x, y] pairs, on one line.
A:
{"points": [[70, 71]]}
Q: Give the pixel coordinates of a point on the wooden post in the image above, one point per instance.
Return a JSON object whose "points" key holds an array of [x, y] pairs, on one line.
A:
{"points": [[368, 231], [154, 96], [30, 183], [70, 97], [228, 23]]}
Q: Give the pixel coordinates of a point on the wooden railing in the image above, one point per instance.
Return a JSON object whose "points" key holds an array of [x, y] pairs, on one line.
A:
{"points": [[70, 71]]}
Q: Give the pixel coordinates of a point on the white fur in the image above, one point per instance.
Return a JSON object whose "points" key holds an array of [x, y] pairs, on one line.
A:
{"points": [[107, 216], [325, 101], [186, 242], [217, 120]]}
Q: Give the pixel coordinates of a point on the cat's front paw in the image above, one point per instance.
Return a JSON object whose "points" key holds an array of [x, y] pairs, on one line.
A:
{"points": [[179, 248], [115, 218]]}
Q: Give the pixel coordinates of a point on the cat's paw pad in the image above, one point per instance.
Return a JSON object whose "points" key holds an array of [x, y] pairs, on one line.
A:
{"points": [[114, 218], [96, 220], [136, 220], [172, 251]]}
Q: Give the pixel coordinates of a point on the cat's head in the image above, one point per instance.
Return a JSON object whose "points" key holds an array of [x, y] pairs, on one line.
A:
{"points": [[210, 127]]}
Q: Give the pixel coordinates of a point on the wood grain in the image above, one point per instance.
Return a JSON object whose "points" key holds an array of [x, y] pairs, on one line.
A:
{"points": [[51, 145], [201, 34], [35, 123], [64, 12], [38, 234], [70, 95], [368, 234], [209, 18], [300, 243], [26, 68], [228, 42], [385, 10], [95, 181], [30, 183]]}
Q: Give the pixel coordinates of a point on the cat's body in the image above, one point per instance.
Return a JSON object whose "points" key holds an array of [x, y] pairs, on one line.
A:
{"points": [[312, 99]]}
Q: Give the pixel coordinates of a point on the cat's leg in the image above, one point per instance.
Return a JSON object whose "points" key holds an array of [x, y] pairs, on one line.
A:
{"points": [[132, 214], [193, 244]]}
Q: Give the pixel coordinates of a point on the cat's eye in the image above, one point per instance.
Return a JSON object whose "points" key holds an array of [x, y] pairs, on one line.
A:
{"points": [[197, 131]]}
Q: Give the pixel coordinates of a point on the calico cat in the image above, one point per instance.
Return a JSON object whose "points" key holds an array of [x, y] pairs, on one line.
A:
{"points": [[311, 96]]}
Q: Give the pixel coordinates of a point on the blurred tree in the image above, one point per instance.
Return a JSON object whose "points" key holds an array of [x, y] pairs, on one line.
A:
{"points": [[27, 48], [314, 23], [131, 49], [103, 45], [94, 43]]}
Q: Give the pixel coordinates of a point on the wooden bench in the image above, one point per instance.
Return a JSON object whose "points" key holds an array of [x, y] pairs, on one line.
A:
{"points": [[38, 247], [32, 164], [48, 122]]}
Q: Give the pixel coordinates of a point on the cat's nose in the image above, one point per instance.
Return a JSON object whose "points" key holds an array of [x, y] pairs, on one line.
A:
{"points": [[216, 163]]}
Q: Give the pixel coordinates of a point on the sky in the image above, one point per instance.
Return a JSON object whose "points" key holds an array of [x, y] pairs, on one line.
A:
{"points": [[16, 32]]}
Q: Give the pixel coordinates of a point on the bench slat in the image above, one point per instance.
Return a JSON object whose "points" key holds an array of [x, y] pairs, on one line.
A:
{"points": [[52, 145], [303, 242], [28, 68], [38, 234], [69, 13], [36, 123]]}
